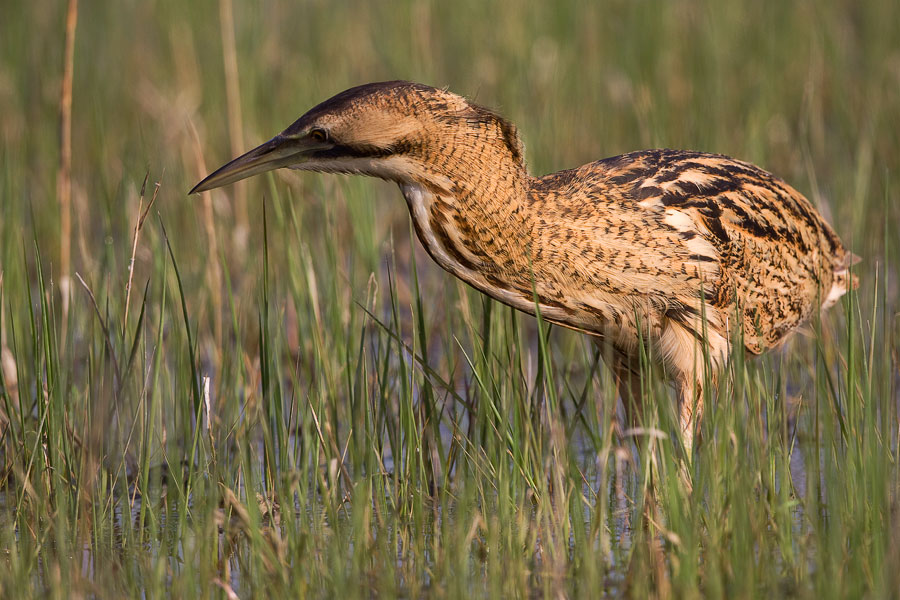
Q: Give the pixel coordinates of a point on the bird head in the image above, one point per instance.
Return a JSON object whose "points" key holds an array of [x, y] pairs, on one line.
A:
{"points": [[395, 130]]}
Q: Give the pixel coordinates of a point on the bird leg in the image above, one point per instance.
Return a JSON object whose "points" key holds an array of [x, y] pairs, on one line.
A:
{"points": [[627, 372], [690, 410], [628, 384]]}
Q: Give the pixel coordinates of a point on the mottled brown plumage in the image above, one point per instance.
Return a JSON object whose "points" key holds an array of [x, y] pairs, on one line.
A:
{"points": [[670, 248]]}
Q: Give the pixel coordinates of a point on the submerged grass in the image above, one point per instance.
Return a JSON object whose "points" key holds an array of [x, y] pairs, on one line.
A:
{"points": [[282, 396]]}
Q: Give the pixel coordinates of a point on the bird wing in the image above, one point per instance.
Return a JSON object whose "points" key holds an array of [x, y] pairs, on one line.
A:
{"points": [[776, 254], [681, 233]]}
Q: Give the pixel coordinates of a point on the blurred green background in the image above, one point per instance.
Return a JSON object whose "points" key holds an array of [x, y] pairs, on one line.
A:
{"points": [[806, 89], [170, 90]]}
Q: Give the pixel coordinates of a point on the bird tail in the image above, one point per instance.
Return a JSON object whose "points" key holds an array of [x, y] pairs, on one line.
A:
{"points": [[844, 279]]}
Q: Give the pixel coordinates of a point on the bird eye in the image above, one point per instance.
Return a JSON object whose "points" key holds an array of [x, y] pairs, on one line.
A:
{"points": [[318, 135]]}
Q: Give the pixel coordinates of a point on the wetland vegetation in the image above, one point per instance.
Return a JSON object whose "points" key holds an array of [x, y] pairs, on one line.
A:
{"points": [[270, 390]]}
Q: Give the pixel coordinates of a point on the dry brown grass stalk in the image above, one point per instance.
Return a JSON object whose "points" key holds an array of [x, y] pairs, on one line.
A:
{"points": [[214, 273], [235, 121], [64, 174], [142, 216]]}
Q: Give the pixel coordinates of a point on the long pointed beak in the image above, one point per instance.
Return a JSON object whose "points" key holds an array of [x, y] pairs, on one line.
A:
{"points": [[280, 151]]}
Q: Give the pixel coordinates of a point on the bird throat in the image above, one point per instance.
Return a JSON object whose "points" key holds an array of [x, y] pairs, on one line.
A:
{"points": [[484, 239]]}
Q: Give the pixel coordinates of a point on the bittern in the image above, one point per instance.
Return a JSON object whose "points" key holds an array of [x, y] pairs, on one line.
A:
{"points": [[666, 249]]}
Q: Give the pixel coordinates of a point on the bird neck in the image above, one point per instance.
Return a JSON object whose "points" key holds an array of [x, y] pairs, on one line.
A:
{"points": [[473, 215]]}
